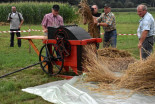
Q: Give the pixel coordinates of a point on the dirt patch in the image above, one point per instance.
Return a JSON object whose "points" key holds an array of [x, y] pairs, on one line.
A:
{"points": [[4, 23]]}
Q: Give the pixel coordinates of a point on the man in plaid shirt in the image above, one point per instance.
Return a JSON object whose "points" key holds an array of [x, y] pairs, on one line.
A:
{"points": [[107, 21], [52, 19]]}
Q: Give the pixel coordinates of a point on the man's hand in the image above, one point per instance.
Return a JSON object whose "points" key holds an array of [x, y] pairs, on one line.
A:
{"points": [[45, 31], [95, 20], [139, 45], [19, 26], [9, 19], [143, 37]]}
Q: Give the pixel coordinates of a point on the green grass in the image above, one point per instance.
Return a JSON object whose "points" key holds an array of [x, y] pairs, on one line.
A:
{"points": [[15, 58]]}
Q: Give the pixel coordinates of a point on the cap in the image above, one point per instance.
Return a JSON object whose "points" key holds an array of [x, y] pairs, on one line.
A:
{"points": [[56, 7], [106, 5]]}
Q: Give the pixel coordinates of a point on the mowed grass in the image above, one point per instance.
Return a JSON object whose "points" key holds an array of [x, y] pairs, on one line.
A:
{"points": [[15, 58]]}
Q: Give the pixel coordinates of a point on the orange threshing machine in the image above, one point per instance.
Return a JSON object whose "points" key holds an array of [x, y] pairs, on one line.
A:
{"points": [[62, 49]]}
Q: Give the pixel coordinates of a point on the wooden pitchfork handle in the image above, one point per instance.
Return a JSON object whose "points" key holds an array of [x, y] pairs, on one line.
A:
{"points": [[140, 54]]}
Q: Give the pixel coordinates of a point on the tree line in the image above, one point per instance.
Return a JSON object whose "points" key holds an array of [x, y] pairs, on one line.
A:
{"points": [[100, 3]]}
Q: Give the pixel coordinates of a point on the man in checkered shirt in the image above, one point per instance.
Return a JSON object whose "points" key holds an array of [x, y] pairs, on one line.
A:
{"points": [[52, 19], [107, 21]]}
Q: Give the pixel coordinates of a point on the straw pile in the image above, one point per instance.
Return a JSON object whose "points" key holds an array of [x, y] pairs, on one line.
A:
{"points": [[96, 70], [116, 60], [113, 53], [87, 16], [139, 76]]}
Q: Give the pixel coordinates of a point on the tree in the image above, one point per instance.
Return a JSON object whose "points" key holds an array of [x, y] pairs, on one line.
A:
{"points": [[152, 3], [120, 5], [113, 4]]}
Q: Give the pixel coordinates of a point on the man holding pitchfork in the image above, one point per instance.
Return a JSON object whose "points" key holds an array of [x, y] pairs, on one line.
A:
{"points": [[145, 31]]}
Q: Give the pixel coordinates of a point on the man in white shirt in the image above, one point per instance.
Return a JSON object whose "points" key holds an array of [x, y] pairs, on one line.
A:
{"points": [[145, 31], [16, 21]]}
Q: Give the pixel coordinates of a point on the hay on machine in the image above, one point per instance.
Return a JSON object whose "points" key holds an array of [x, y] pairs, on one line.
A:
{"points": [[96, 71], [86, 14]]}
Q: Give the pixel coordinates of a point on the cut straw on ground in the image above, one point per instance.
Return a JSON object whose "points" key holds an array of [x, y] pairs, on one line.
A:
{"points": [[138, 76]]}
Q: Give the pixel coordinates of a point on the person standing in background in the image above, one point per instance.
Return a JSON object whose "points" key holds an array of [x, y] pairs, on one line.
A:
{"points": [[16, 20], [96, 14], [145, 31]]}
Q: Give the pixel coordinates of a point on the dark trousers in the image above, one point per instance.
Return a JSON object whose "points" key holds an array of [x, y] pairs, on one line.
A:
{"points": [[110, 38], [12, 37], [147, 47], [98, 44]]}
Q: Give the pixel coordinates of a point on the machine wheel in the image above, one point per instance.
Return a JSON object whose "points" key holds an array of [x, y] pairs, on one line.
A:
{"points": [[53, 59]]}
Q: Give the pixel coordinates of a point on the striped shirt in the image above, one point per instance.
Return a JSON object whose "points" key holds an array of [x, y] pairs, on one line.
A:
{"points": [[109, 19], [52, 21]]}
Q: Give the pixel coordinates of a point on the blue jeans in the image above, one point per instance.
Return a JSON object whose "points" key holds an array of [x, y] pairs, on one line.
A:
{"points": [[110, 38]]}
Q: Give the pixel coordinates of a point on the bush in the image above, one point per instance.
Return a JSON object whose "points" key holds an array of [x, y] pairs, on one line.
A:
{"points": [[33, 12]]}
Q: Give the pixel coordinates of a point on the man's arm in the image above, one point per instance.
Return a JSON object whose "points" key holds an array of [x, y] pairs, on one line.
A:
{"points": [[143, 37], [21, 24], [102, 24], [22, 20], [9, 17], [99, 22], [44, 23], [108, 22]]}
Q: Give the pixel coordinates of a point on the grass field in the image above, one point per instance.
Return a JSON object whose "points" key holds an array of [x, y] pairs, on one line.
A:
{"points": [[15, 58]]}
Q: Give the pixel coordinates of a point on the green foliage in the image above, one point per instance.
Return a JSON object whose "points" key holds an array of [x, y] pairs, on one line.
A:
{"points": [[33, 12], [129, 9]]}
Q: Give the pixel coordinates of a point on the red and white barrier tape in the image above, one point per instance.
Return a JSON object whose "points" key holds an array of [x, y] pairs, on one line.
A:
{"points": [[121, 34], [20, 31], [42, 31]]}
